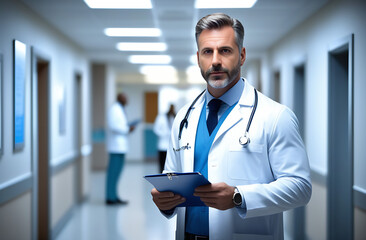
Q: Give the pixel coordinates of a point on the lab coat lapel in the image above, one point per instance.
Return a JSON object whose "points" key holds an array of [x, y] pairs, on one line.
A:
{"points": [[241, 111], [190, 136]]}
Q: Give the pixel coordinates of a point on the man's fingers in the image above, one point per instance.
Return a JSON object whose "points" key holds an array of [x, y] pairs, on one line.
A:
{"points": [[166, 195], [169, 199], [204, 188], [171, 205], [210, 201], [155, 192], [207, 194], [166, 200]]}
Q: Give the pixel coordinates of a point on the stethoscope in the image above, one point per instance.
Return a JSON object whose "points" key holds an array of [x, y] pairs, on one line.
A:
{"points": [[243, 140]]}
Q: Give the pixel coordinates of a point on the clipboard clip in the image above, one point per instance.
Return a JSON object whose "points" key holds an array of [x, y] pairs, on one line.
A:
{"points": [[170, 175]]}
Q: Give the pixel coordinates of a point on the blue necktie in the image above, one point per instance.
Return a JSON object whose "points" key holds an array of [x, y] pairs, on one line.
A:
{"points": [[214, 106]]}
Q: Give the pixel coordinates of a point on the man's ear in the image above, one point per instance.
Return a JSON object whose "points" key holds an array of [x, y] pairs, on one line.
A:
{"points": [[198, 59], [243, 56]]}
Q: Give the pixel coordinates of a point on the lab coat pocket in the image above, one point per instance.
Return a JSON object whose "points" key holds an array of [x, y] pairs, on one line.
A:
{"points": [[251, 148], [242, 161]]}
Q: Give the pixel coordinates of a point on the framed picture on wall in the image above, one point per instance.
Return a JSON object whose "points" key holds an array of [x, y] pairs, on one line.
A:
{"points": [[1, 104], [19, 63]]}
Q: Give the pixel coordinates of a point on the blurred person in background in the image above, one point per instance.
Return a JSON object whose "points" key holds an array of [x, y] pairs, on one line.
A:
{"points": [[117, 147], [162, 127]]}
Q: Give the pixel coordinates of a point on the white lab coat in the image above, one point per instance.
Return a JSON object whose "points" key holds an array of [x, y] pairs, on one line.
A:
{"points": [[118, 129], [271, 173], [162, 128]]}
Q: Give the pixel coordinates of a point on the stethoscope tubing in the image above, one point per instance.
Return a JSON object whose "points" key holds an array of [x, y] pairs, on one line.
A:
{"points": [[184, 122], [253, 110]]}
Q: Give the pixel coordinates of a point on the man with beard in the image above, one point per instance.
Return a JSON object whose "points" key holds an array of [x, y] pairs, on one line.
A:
{"points": [[245, 144]]}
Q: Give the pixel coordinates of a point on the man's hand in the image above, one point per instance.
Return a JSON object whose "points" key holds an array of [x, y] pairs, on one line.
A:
{"points": [[166, 200], [216, 195]]}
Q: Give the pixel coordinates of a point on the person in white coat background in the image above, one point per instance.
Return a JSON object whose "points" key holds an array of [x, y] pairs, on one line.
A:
{"points": [[162, 127], [252, 182], [117, 147]]}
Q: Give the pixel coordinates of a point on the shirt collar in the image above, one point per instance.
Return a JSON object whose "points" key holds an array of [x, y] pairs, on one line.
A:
{"points": [[231, 96]]}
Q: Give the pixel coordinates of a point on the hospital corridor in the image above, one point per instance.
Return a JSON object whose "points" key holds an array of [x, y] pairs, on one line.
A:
{"points": [[264, 98]]}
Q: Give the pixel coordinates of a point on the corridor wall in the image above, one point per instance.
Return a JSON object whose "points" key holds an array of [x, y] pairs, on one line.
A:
{"points": [[18, 170]]}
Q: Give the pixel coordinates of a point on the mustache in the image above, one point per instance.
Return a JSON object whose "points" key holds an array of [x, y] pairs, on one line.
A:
{"points": [[216, 69]]}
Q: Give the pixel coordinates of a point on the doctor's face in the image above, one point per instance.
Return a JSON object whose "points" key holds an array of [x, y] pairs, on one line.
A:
{"points": [[219, 59]]}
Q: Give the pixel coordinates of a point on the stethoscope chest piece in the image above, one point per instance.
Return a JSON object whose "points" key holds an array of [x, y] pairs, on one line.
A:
{"points": [[244, 140]]}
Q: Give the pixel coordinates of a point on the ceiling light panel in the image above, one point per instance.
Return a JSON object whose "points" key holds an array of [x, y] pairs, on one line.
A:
{"points": [[138, 46], [122, 4], [157, 74], [224, 4], [194, 75], [132, 32], [150, 59], [153, 69]]}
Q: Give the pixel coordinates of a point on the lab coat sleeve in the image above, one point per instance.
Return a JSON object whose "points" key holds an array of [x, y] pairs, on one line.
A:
{"points": [[291, 187], [117, 121], [169, 214]]}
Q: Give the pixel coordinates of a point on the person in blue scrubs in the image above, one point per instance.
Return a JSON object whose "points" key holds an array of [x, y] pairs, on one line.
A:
{"points": [[117, 147]]}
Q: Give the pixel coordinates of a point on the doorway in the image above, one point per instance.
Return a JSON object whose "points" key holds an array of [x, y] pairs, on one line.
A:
{"points": [[79, 188], [299, 109], [299, 97], [340, 140], [151, 111], [40, 147], [277, 86]]}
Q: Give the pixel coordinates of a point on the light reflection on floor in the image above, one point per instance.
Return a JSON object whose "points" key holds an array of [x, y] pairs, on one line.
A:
{"points": [[140, 219]]}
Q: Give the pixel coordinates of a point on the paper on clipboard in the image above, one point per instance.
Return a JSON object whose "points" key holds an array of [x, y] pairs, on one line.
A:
{"points": [[134, 122], [180, 183]]}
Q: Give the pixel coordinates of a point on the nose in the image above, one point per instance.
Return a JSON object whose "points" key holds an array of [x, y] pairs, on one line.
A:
{"points": [[216, 59]]}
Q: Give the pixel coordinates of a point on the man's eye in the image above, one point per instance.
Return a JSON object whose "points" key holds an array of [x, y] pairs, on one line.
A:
{"points": [[226, 51], [207, 51]]}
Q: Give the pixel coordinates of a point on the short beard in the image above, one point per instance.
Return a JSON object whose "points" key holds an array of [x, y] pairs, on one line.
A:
{"points": [[220, 84]]}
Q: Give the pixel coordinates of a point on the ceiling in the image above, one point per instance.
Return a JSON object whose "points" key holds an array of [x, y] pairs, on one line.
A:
{"points": [[267, 22]]}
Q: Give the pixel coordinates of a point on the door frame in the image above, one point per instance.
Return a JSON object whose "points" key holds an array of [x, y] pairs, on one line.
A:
{"points": [[36, 57], [299, 216], [276, 84], [78, 135], [296, 67], [340, 46]]}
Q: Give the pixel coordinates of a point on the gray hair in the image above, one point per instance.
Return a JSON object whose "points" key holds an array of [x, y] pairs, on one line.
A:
{"points": [[217, 21]]}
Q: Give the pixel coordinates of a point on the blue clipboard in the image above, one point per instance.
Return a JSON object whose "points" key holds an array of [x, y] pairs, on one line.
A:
{"points": [[180, 183]]}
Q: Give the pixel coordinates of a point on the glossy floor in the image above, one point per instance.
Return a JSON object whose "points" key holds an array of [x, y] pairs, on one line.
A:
{"points": [[140, 219]]}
